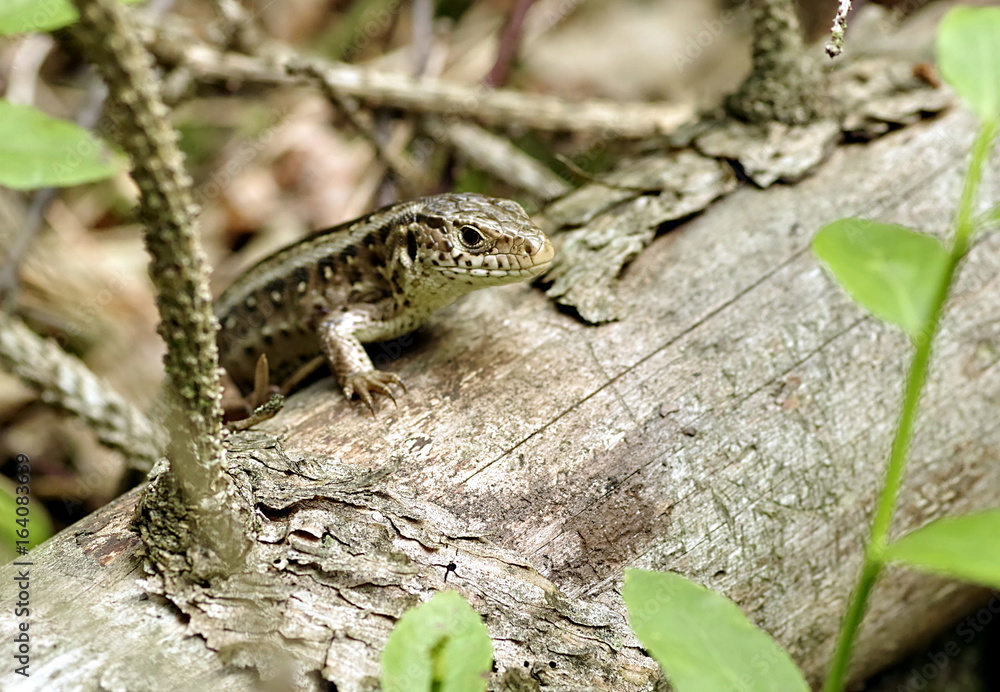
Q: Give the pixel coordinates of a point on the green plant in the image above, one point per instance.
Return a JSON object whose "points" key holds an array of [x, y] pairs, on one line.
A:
{"points": [[38, 150], [42, 151], [903, 277], [440, 646], [702, 640], [24, 524], [27, 16]]}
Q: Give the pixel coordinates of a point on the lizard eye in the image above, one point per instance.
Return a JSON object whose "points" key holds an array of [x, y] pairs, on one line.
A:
{"points": [[471, 237]]}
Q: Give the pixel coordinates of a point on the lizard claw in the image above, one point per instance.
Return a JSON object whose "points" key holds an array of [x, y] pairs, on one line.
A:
{"points": [[364, 384]]}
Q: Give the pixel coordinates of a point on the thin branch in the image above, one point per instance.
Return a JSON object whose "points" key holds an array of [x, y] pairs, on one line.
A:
{"points": [[236, 26], [497, 107], [66, 383], [401, 165], [422, 33], [26, 61], [836, 44], [510, 42], [497, 156]]}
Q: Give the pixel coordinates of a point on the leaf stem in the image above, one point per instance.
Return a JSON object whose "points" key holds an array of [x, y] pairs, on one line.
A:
{"points": [[882, 523]]}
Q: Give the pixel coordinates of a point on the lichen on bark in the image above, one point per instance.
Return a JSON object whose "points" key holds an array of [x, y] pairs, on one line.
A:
{"points": [[785, 85]]}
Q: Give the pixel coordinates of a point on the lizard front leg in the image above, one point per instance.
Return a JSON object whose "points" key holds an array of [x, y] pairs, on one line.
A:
{"points": [[350, 362]]}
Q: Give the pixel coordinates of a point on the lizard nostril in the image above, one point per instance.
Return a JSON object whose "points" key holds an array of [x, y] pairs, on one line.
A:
{"points": [[540, 250]]}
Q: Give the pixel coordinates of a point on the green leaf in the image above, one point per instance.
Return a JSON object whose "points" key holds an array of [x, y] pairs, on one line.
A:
{"points": [[35, 520], [29, 16], [991, 218], [964, 547], [701, 639], [968, 52], [891, 270], [40, 151], [441, 645]]}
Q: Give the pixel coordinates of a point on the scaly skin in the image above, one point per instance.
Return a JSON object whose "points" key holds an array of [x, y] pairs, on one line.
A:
{"points": [[372, 279]]}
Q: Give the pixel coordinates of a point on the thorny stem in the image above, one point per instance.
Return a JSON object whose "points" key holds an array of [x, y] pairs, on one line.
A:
{"points": [[200, 491]]}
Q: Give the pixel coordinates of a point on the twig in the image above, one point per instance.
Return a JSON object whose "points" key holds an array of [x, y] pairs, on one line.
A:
{"points": [[401, 165], [588, 177], [266, 411], [236, 26], [836, 43], [66, 383], [510, 41], [423, 35], [498, 156], [497, 107], [27, 59]]}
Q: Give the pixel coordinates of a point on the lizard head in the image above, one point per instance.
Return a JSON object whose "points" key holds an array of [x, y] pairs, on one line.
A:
{"points": [[474, 240]]}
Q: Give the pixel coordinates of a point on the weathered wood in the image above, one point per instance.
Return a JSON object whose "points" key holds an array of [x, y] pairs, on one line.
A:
{"points": [[733, 427]]}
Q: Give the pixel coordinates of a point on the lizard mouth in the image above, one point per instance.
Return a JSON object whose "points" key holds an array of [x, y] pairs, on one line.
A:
{"points": [[508, 265], [512, 273]]}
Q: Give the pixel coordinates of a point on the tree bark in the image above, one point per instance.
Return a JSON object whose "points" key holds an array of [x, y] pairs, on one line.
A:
{"points": [[732, 426]]}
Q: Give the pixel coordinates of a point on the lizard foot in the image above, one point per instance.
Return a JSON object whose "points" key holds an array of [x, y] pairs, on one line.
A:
{"points": [[364, 384]]}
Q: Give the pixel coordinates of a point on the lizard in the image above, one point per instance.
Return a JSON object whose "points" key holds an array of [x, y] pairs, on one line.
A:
{"points": [[372, 279]]}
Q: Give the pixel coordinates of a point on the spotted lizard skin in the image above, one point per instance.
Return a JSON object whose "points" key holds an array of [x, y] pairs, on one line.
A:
{"points": [[372, 279]]}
